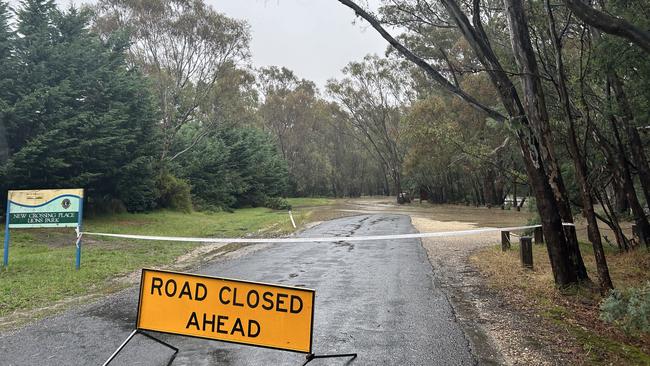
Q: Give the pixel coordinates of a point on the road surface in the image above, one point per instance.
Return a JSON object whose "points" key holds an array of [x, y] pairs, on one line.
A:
{"points": [[375, 298]]}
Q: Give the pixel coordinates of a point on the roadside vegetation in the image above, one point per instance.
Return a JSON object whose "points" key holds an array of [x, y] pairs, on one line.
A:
{"points": [[578, 315]]}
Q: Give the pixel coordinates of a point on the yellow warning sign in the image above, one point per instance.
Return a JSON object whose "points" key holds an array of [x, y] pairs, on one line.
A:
{"points": [[226, 310]]}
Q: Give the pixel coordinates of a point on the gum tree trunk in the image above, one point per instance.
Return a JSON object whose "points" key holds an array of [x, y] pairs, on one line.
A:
{"points": [[626, 177], [535, 106], [634, 140], [579, 162]]}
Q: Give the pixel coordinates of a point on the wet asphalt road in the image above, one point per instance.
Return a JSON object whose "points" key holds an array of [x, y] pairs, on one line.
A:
{"points": [[375, 298]]}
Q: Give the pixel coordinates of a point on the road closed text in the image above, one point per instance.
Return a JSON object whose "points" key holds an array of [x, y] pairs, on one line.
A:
{"points": [[227, 310]]}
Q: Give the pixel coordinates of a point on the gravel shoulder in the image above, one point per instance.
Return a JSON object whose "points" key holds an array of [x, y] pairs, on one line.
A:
{"points": [[498, 334]]}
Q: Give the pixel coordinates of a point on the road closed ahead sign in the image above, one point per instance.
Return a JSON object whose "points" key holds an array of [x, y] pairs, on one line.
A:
{"points": [[226, 310]]}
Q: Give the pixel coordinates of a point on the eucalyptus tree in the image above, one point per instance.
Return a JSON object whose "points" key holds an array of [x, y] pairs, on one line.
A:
{"points": [[599, 83], [527, 116], [354, 171], [291, 111], [288, 102], [183, 46], [560, 81], [455, 153], [375, 92], [314, 136]]}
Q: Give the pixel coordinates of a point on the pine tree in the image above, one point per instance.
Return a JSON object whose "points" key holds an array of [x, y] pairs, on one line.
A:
{"points": [[81, 117], [234, 167], [6, 82]]}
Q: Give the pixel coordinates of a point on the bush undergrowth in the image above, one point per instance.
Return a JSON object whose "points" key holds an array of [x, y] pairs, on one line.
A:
{"points": [[630, 309]]}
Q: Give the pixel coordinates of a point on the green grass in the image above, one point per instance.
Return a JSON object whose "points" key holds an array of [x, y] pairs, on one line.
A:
{"points": [[41, 261], [170, 223], [39, 274], [601, 350], [310, 201]]}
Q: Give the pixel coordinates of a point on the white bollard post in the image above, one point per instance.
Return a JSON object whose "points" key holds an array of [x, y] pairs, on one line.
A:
{"points": [[292, 222]]}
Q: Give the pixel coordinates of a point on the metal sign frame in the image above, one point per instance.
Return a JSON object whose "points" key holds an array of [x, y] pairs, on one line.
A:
{"points": [[311, 324], [309, 357], [78, 227]]}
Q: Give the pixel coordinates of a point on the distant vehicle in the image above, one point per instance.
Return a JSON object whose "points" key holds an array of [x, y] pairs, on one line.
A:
{"points": [[403, 197]]}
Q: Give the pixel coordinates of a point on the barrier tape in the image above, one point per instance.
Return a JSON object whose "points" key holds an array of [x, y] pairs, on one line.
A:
{"points": [[315, 240]]}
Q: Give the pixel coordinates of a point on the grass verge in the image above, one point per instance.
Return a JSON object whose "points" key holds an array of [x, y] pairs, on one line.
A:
{"points": [[573, 311], [41, 264]]}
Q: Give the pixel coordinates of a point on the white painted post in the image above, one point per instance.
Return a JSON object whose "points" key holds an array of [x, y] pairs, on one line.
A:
{"points": [[292, 222]]}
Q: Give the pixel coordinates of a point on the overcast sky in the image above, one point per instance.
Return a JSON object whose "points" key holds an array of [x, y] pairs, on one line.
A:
{"points": [[314, 38]]}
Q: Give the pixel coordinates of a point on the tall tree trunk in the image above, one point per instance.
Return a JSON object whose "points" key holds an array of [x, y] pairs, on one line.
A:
{"points": [[620, 199], [498, 191], [618, 165], [514, 194], [535, 106], [564, 270], [613, 223], [523, 199], [626, 176], [488, 187], [385, 183], [579, 162], [634, 140], [398, 186]]}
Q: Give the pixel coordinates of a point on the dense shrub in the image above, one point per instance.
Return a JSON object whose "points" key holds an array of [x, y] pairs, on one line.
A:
{"points": [[174, 193], [629, 309], [277, 203], [234, 167]]}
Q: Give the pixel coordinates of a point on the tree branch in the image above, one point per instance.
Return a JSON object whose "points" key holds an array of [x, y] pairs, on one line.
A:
{"points": [[610, 24], [433, 73]]}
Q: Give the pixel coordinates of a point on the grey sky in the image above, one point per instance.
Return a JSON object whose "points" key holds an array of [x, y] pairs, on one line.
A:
{"points": [[314, 38]]}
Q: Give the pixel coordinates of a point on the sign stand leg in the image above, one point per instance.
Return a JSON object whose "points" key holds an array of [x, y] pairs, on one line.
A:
{"points": [[310, 357], [77, 262], [128, 339], [5, 260]]}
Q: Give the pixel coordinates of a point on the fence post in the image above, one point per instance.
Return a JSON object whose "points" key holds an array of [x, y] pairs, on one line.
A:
{"points": [[526, 251], [539, 236], [505, 241]]}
